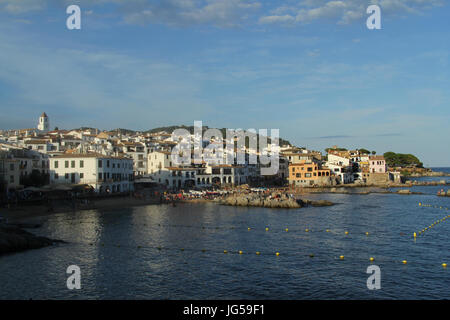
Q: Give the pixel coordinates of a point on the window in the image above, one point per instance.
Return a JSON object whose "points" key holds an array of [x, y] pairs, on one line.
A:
{"points": [[11, 167], [307, 175], [11, 179], [100, 164], [107, 163], [66, 164], [100, 176], [81, 164], [66, 176], [72, 164], [81, 175], [56, 176]]}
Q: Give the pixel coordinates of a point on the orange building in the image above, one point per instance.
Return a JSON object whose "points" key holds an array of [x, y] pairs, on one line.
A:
{"points": [[308, 173]]}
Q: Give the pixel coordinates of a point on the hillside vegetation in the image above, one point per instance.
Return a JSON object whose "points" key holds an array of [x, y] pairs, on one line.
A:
{"points": [[402, 160]]}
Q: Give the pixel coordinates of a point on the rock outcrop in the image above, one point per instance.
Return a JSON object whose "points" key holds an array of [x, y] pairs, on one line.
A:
{"points": [[14, 239], [281, 201]]}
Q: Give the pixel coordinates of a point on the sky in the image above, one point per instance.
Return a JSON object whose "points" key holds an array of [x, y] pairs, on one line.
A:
{"points": [[310, 68]]}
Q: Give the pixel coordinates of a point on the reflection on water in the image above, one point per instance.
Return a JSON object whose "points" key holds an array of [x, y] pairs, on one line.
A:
{"points": [[164, 252]]}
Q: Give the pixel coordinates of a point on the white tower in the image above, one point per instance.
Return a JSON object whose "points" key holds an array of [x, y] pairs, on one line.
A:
{"points": [[44, 123]]}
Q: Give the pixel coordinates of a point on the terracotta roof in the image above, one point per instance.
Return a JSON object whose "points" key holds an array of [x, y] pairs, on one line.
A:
{"points": [[181, 169], [89, 155], [36, 142]]}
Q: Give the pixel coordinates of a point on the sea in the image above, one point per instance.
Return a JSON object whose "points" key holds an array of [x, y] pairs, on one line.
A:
{"points": [[209, 251]]}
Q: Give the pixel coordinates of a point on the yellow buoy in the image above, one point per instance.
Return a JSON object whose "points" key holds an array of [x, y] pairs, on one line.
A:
{"points": [[346, 232], [371, 259], [367, 233], [306, 230], [277, 254], [240, 252], [328, 230], [249, 229], [341, 257], [444, 265], [415, 235], [267, 229], [420, 204], [404, 262], [287, 229], [225, 251], [258, 253]]}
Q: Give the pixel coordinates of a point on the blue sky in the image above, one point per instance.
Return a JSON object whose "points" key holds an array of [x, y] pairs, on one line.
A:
{"points": [[310, 68]]}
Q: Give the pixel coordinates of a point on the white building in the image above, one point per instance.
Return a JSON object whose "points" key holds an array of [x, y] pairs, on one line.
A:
{"points": [[163, 171], [44, 123], [104, 173], [344, 173], [338, 160]]}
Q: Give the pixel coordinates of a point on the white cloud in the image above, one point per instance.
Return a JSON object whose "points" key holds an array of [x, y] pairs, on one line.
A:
{"points": [[343, 12], [222, 13], [21, 6], [277, 19], [229, 13]]}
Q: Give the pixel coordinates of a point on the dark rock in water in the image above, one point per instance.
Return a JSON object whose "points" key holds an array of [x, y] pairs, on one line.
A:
{"points": [[14, 239], [319, 203], [25, 225]]}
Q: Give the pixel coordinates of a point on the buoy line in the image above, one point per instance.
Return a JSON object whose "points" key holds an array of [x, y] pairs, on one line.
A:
{"points": [[268, 229], [241, 252], [435, 223]]}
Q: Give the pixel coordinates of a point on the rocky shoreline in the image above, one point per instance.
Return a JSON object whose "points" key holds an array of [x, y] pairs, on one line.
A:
{"points": [[279, 202], [430, 174], [15, 239]]}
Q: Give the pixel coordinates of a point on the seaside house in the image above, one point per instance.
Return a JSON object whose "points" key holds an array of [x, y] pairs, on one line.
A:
{"points": [[106, 174], [309, 173], [377, 164]]}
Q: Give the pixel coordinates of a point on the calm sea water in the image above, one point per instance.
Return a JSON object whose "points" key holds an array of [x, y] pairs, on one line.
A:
{"points": [[105, 244]]}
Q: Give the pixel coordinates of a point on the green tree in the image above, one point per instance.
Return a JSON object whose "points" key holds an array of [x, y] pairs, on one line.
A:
{"points": [[364, 151], [402, 160]]}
